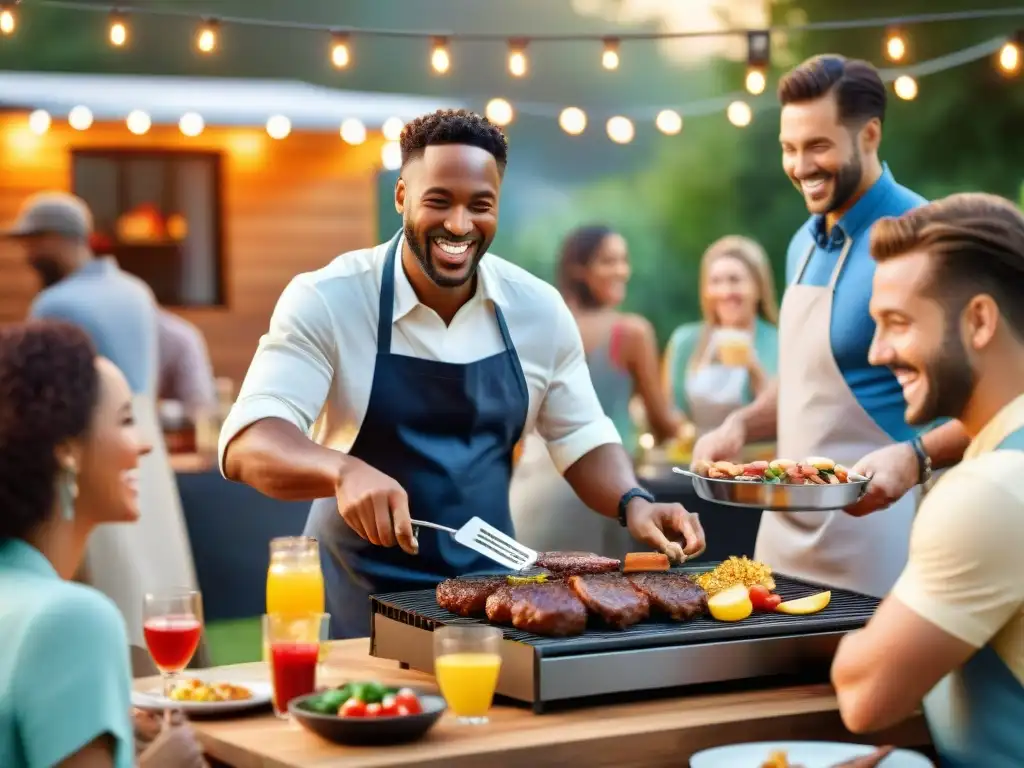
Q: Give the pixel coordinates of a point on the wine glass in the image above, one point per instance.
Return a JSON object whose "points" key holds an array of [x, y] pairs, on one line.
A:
{"points": [[173, 624]]}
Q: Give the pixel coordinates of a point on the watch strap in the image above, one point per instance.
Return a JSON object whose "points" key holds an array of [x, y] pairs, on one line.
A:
{"points": [[628, 496], [924, 461]]}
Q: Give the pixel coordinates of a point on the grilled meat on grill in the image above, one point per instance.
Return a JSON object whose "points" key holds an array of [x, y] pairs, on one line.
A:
{"points": [[671, 593], [611, 597], [467, 597], [548, 609], [576, 563], [499, 604]]}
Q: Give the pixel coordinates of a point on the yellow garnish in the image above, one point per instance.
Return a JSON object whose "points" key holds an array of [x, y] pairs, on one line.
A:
{"points": [[735, 570], [538, 579]]}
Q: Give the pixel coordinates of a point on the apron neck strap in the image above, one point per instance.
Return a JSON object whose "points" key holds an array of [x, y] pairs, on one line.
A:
{"points": [[386, 310], [847, 245]]}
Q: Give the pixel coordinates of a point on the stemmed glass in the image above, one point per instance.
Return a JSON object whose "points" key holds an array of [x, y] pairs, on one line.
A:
{"points": [[173, 624]]}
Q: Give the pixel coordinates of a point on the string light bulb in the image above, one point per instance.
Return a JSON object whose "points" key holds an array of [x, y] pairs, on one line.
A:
{"points": [[895, 45], [905, 87], [669, 122], [341, 56], [278, 127], [392, 129], [8, 21], [80, 118], [118, 31], [620, 129], [440, 59], [499, 112], [517, 61], [1010, 54], [573, 120], [206, 37], [391, 155], [191, 124], [353, 131], [759, 56], [739, 114], [138, 122], [39, 122], [610, 54]]}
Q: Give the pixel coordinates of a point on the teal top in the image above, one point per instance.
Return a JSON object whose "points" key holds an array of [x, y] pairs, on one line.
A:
{"points": [[65, 675], [614, 387], [683, 343]]}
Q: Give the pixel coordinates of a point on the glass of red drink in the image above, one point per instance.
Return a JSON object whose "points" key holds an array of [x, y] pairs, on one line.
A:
{"points": [[173, 624], [293, 644]]}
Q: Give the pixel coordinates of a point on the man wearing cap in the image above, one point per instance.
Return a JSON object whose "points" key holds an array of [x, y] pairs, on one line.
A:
{"points": [[119, 312]]}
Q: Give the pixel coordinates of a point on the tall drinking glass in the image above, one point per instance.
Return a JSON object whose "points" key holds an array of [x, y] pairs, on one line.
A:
{"points": [[172, 625], [293, 644], [467, 661], [295, 581]]}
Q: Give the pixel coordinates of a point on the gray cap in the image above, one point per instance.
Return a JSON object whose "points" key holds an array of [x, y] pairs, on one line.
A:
{"points": [[52, 213]]}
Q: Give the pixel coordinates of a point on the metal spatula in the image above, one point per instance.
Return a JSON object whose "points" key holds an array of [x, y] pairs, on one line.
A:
{"points": [[488, 541]]}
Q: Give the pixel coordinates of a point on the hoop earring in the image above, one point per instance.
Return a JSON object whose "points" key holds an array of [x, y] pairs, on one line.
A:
{"points": [[68, 489]]}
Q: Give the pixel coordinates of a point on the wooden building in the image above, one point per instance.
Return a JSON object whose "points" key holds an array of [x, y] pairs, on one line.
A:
{"points": [[215, 191]]}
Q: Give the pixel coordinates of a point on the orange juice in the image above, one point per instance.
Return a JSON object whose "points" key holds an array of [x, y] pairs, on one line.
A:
{"points": [[295, 582], [467, 681]]}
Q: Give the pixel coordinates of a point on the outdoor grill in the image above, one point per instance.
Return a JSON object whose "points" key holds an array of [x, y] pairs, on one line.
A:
{"points": [[650, 655]]}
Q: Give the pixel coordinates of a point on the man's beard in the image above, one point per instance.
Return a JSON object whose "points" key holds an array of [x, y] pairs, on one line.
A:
{"points": [[48, 269], [847, 179], [949, 380], [421, 250]]}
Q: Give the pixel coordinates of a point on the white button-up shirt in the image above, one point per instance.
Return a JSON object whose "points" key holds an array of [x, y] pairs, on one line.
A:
{"points": [[314, 367]]}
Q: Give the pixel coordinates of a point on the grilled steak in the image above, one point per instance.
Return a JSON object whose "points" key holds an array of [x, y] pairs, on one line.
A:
{"points": [[548, 609], [611, 597], [576, 563], [671, 593], [466, 597], [499, 605]]}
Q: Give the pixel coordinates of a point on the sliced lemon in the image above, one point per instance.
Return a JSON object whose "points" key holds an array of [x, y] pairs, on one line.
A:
{"points": [[732, 604], [805, 605]]}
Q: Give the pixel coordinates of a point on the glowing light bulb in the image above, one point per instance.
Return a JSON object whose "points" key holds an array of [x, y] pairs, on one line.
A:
{"points": [[138, 122], [905, 87], [206, 39], [499, 112], [353, 131], [620, 129], [1009, 57], [8, 21], [118, 32], [756, 81], [517, 62], [39, 122], [573, 120], [80, 118], [278, 127], [739, 114], [895, 47], [610, 54], [392, 128], [341, 57], [669, 122], [391, 155], [440, 60], [191, 124]]}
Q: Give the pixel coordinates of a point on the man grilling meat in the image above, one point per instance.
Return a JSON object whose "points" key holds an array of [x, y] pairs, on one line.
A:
{"points": [[441, 359]]}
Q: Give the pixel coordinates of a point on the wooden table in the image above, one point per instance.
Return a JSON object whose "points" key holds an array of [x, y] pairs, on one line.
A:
{"points": [[664, 732]]}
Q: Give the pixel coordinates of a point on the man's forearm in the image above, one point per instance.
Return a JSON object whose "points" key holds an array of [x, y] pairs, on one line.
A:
{"points": [[275, 458], [760, 418], [945, 445], [601, 477]]}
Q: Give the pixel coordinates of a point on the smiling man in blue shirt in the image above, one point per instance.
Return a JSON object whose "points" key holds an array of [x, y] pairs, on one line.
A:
{"points": [[829, 400]]}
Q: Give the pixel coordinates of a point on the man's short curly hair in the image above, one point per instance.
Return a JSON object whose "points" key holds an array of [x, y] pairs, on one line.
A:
{"points": [[453, 126], [48, 391]]}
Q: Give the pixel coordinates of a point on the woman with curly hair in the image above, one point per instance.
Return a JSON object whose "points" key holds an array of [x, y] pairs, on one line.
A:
{"points": [[68, 460]]}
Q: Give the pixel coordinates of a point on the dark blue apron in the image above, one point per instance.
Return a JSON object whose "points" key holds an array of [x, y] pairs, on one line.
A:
{"points": [[446, 433], [994, 699]]}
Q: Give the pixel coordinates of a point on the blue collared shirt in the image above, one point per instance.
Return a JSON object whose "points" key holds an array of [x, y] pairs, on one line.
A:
{"points": [[875, 388]]}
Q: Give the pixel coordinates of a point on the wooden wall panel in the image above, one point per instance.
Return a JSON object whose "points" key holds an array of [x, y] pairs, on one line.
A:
{"points": [[289, 206]]}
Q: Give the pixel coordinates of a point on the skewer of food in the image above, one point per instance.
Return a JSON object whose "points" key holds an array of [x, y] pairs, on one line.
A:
{"points": [[810, 471]]}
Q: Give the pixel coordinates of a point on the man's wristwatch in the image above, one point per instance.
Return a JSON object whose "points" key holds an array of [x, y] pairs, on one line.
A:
{"points": [[628, 496], [924, 461]]}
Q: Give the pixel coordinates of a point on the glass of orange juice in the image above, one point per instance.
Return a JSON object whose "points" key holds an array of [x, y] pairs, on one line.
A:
{"points": [[467, 660], [295, 581]]}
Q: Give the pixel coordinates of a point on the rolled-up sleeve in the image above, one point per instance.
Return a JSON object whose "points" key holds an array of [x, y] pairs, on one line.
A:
{"points": [[570, 418], [290, 374]]}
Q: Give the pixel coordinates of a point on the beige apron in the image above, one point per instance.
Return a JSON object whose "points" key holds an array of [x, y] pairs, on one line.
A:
{"points": [[819, 416], [125, 561]]}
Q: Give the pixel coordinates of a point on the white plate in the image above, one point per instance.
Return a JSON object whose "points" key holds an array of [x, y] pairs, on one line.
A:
{"points": [[807, 754], [153, 699]]}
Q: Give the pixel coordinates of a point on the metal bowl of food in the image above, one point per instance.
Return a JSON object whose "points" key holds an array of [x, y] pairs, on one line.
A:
{"points": [[812, 485]]}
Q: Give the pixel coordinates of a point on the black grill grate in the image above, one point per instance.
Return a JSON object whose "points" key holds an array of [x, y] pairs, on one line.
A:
{"points": [[847, 611]]}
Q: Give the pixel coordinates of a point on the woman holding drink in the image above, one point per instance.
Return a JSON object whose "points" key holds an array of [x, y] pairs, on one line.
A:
{"points": [[721, 363], [69, 455]]}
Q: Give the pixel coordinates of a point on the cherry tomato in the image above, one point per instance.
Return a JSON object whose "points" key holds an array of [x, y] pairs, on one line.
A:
{"points": [[772, 602], [758, 595], [352, 708], [373, 710], [388, 707], [409, 700]]}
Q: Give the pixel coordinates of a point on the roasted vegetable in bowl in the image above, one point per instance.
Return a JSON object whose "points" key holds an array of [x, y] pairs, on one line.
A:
{"points": [[810, 471]]}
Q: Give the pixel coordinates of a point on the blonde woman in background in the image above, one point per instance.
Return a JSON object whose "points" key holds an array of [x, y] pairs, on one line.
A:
{"points": [[721, 363], [622, 357]]}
